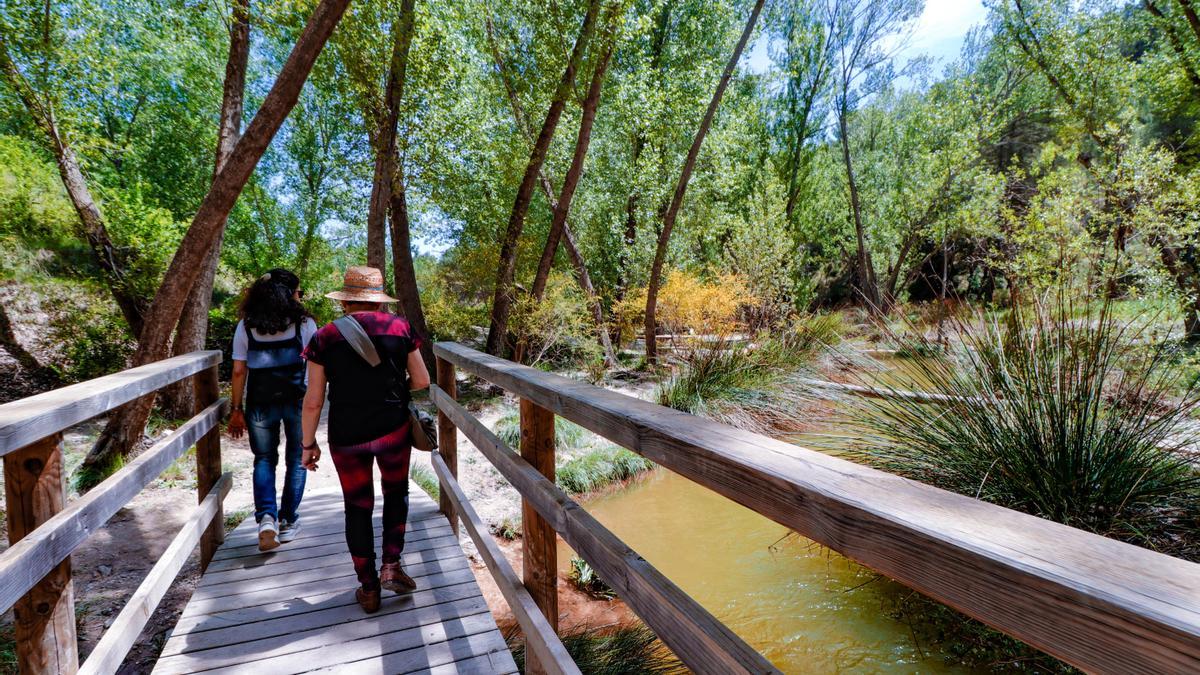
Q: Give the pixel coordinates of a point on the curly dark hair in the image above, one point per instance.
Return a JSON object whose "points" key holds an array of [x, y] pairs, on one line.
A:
{"points": [[268, 306]]}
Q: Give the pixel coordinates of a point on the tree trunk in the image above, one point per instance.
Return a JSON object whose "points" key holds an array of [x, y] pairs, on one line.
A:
{"points": [[385, 140], [404, 273], [571, 182], [1181, 264], [865, 269], [581, 271], [91, 221], [502, 299], [192, 331], [125, 427], [668, 222]]}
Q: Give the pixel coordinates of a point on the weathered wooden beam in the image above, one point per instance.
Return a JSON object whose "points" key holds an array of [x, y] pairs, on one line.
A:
{"points": [[448, 438], [702, 642], [43, 617], [24, 563], [31, 419], [540, 638], [1097, 603], [539, 543], [208, 462], [120, 636]]}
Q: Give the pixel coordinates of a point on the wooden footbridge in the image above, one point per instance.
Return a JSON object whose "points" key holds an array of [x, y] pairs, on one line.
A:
{"points": [[1096, 603]]}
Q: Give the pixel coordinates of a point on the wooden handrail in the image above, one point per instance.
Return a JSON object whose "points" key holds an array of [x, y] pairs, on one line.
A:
{"points": [[1094, 602], [29, 420], [120, 636], [24, 563], [35, 571], [701, 641], [540, 638]]}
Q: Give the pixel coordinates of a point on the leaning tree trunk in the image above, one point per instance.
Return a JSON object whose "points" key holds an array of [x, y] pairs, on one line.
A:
{"points": [[668, 222], [581, 272], [558, 224], [405, 275], [502, 298], [91, 222], [125, 428], [865, 269], [192, 331]]}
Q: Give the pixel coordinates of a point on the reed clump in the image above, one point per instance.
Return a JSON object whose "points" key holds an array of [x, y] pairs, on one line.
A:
{"points": [[1061, 413], [756, 386], [627, 650]]}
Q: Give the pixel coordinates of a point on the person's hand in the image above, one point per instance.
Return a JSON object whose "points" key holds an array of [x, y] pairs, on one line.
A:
{"points": [[310, 456], [237, 423]]}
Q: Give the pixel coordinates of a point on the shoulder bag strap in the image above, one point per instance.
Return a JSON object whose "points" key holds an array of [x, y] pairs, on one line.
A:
{"points": [[358, 339]]}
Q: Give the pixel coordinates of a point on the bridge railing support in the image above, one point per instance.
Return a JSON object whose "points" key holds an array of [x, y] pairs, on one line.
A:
{"points": [[539, 542], [44, 618], [447, 441], [35, 571]]}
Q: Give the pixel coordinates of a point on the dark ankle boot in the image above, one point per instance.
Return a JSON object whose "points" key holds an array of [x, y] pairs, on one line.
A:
{"points": [[368, 598], [394, 579]]}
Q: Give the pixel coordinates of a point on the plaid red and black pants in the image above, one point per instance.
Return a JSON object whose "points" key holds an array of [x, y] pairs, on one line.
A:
{"points": [[355, 468]]}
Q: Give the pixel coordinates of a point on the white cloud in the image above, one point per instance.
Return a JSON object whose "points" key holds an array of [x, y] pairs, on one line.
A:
{"points": [[942, 27]]}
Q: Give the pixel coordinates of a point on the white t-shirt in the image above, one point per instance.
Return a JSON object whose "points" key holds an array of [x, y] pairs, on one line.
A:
{"points": [[241, 343]]}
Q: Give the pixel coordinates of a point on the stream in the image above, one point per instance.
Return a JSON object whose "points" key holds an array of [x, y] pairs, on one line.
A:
{"points": [[804, 607]]}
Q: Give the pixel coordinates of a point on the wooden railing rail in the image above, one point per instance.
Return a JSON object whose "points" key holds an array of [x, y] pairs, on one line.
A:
{"points": [[35, 571], [540, 637], [1094, 602]]}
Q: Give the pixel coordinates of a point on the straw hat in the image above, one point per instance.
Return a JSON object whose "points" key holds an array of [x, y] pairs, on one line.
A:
{"points": [[362, 284]]}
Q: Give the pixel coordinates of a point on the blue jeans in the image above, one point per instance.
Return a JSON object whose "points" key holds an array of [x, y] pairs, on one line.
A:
{"points": [[262, 423]]}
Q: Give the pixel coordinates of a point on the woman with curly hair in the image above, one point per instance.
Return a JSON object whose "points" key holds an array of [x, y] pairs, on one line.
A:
{"points": [[268, 367]]}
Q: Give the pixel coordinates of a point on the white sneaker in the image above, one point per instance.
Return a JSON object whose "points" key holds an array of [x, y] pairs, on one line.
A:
{"points": [[288, 531], [267, 534]]}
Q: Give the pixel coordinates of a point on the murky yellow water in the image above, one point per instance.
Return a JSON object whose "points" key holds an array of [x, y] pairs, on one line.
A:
{"points": [[805, 608]]}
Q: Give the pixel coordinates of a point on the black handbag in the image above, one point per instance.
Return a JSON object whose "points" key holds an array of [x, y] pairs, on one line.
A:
{"points": [[424, 430]]}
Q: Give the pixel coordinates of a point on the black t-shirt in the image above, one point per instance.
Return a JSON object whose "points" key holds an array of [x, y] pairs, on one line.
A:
{"points": [[365, 402]]}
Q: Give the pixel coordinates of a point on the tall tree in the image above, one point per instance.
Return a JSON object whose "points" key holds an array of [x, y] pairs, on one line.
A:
{"points": [[558, 224], [685, 175], [92, 228], [126, 426], [582, 275], [192, 331], [402, 261], [859, 31], [502, 298]]}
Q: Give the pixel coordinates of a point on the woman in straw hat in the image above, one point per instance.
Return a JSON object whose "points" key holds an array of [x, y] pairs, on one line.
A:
{"points": [[369, 421]]}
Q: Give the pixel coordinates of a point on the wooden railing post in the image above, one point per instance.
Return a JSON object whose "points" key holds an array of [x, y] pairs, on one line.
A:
{"points": [[539, 557], [447, 440], [44, 619], [208, 463]]}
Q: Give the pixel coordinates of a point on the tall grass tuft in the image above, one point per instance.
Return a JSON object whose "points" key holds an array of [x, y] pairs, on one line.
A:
{"points": [[584, 577], [757, 386], [1060, 415], [426, 479], [629, 650], [567, 435], [598, 468]]}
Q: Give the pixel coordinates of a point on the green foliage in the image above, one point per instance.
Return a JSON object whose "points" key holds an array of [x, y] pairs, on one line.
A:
{"points": [[1065, 418], [583, 577], [568, 436], [598, 468], [33, 208], [94, 340], [87, 477], [626, 650], [558, 328], [507, 529], [751, 386], [426, 479]]}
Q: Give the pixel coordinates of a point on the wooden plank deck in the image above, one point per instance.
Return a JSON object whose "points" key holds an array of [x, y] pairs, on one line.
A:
{"points": [[293, 611]]}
